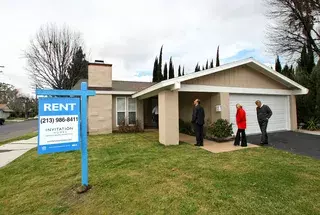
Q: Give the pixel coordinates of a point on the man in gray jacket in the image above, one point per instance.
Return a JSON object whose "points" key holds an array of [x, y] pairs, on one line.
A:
{"points": [[263, 114]]}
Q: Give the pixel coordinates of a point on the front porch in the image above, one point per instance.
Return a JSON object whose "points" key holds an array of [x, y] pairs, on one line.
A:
{"points": [[174, 106], [208, 145]]}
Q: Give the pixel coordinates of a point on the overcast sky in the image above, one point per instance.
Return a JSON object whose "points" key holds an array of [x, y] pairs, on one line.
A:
{"points": [[129, 34]]}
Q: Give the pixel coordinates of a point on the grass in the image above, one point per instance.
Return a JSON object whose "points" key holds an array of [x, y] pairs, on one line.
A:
{"points": [[23, 137], [134, 174]]}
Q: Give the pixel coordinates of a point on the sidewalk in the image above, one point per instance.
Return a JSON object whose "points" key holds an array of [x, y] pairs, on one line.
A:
{"points": [[11, 151]]}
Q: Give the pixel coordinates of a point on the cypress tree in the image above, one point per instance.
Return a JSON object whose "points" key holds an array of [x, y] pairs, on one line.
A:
{"points": [[155, 71], [160, 76], [303, 61], [310, 60], [202, 67], [171, 69], [306, 104], [197, 68], [165, 71], [207, 65], [179, 71], [217, 60], [292, 73], [183, 71], [315, 89], [286, 71], [211, 64], [278, 65]]}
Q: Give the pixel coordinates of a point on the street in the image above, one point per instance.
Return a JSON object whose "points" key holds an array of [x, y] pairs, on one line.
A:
{"points": [[17, 129]]}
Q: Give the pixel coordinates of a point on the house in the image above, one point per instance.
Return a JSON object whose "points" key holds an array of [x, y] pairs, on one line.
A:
{"points": [[219, 90], [4, 113]]}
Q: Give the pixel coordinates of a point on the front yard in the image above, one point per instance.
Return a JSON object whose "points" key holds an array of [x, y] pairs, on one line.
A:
{"points": [[133, 174]]}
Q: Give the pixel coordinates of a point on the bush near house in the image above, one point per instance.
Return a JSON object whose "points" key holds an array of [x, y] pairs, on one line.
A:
{"points": [[186, 128], [124, 127], [219, 131], [313, 124]]}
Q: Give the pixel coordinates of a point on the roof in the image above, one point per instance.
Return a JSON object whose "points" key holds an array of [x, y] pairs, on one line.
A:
{"points": [[175, 83], [5, 108], [118, 85], [130, 85]]}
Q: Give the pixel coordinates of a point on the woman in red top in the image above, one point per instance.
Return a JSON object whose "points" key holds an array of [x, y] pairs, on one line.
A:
{"points": [[242, 125]]}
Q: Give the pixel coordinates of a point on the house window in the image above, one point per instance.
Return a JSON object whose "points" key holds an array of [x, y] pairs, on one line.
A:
{"points": [[121, 109], [126, 108], [132, 111]]}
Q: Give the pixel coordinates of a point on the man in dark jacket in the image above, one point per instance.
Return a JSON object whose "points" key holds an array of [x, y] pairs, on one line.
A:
{"points": [[263, 114], [198, 121]]}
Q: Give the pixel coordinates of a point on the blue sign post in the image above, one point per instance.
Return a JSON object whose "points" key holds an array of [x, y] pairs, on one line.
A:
{"points": [[61, 122]]}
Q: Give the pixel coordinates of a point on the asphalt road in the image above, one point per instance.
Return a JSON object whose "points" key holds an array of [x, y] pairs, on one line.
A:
{"points": [[17, 129], [299, 143]]}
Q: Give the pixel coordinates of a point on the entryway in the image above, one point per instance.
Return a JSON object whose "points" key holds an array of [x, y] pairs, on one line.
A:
{"points": [[148, 105]]}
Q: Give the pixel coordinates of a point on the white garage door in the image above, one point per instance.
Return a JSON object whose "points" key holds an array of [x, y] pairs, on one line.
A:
{"points": [[279, 105]]}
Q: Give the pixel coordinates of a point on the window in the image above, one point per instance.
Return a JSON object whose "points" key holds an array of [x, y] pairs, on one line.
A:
{"points": [[132, 111], [121, 109], [126, 110]]}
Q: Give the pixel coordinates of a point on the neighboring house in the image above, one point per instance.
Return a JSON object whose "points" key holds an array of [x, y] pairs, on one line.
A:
{"points": [[219, 89], [4, 113]]}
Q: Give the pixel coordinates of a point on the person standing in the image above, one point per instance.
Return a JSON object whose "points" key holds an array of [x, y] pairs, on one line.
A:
{"points": [[263, 115], [242, 125], [198, 121], [155, 115]]}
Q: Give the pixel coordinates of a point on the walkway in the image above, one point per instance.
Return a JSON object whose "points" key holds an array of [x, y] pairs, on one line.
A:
{"points": [[214, 146], [11, 151]]}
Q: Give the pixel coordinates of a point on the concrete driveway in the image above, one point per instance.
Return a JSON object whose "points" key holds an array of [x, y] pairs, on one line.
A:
{"points": [[295, 142], [17, 129]]}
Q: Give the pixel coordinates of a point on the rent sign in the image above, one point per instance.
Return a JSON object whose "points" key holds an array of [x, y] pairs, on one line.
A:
{"points": [[62, 120], [59, 125]]}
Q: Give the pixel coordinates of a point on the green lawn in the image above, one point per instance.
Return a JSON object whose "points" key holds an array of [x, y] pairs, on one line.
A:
{"points": [[133, 174]]}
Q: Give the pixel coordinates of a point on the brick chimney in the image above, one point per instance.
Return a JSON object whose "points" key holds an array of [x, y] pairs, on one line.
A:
{"points": [[100, 75], [100, 105]]}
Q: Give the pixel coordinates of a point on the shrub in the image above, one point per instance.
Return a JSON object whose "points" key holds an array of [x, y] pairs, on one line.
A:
{"points": [[186, 127], [220, 129], [125, 128], [312, 124]]}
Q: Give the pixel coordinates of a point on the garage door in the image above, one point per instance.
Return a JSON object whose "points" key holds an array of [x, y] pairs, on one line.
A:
{"points": [[279, 105]]}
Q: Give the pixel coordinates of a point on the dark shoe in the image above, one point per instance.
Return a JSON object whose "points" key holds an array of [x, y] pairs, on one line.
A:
{"points": [[244, 145]]}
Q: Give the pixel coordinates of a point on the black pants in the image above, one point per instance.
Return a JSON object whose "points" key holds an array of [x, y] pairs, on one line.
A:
{"points": [[199, 134], [263, 127], [243, 138]]}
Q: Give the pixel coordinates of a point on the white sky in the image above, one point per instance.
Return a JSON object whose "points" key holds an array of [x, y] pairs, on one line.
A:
{"points": [[129, 34]]}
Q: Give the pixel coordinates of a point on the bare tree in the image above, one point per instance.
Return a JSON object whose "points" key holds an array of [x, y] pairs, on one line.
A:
{"points": [[50, 54], [295, 24]]}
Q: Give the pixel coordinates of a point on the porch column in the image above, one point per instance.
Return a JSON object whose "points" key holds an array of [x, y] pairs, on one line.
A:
{"points": [[293, 113], [168, 107], [225, 107]]}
